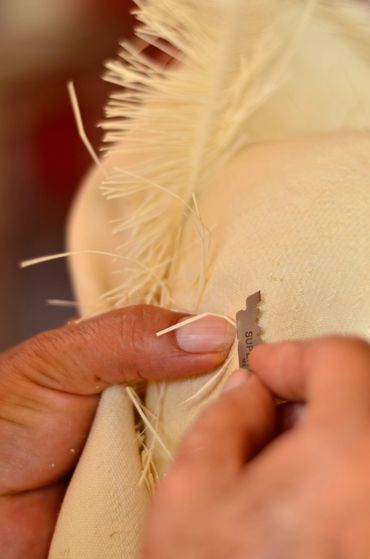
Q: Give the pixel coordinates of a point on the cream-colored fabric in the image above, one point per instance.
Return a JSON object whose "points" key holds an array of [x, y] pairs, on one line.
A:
{"points": [[289, 216], [292, 220], [101, 512]]}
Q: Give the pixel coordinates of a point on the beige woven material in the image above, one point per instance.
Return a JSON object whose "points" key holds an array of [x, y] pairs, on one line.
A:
{"points": [[289, 216], [292, 221]]}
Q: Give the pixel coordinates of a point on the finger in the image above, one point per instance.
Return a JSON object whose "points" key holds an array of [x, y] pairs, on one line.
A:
{"points": [[332, 371], [289, 416], [227, 434], [116, 348], [28, 522], [49, 386]]}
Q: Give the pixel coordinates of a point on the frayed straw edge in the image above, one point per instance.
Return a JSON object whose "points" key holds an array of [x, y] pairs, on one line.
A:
{"points": [[136, 403], [149, 463]]}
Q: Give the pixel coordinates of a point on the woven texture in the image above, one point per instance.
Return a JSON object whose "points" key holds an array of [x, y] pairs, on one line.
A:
{"points": [[289, 216], [292, 220], [103, 510]]}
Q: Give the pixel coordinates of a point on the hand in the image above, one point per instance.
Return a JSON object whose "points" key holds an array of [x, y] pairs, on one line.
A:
{"points": [[236, 492], [49, 391]]}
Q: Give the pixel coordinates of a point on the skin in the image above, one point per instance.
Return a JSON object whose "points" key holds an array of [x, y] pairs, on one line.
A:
{"points": [[237, 490], [49, 392]]}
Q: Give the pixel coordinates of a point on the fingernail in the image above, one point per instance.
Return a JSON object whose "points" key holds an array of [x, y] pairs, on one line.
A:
{"points": [[207, 335], [235, 380]]}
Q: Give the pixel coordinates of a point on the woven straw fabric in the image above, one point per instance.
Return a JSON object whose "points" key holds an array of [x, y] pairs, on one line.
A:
{"points": [[103, 511], [290, 219], [289, 216]]}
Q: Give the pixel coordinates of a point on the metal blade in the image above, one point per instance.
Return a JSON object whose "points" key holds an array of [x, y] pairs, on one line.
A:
{"points": [[249, 334]]}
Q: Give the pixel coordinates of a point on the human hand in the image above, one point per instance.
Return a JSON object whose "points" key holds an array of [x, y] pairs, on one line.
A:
{"points": [[236, 492], [49, 391]]}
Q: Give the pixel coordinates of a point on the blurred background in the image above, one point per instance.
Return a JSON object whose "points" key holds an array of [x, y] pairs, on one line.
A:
{"points": [[44, 44]]}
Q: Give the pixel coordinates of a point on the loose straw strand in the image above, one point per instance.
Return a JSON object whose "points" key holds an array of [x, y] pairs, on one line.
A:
{"points": [[80, 126], [194, 319], [146, 421]]}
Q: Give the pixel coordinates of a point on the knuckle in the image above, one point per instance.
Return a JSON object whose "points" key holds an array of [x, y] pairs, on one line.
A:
{"points": [[137, 341], [138, 327], [134, 332], [125, 329], [128, 334], [86, 334], [137, 323]]}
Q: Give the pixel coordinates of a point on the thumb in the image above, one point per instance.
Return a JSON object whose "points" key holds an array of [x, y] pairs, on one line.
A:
{"points": [[49, 385], [116, 348]]}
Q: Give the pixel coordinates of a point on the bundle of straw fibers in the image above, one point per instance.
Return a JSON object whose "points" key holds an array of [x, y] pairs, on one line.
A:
{"points": [[244, 165]]}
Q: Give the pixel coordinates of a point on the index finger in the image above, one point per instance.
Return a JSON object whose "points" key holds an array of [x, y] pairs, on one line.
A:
{"points": [[227, 434], [331, 371]]}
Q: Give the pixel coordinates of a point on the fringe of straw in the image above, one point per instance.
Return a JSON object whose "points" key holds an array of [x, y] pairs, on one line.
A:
{"points": [[155, 230]]}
